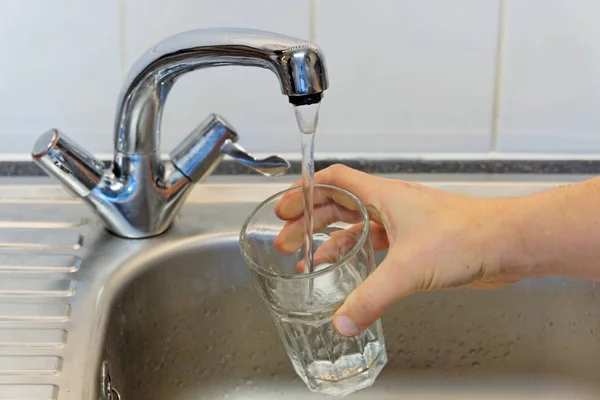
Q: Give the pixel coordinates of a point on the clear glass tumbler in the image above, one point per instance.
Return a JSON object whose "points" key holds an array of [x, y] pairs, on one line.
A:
{"points": [[302, 304]]}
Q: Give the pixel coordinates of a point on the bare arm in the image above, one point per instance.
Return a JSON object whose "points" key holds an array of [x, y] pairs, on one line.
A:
{"points": [[558, 232]]}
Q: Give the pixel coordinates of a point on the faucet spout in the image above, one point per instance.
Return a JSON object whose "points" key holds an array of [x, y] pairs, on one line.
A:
{"points": [[298, 65]]}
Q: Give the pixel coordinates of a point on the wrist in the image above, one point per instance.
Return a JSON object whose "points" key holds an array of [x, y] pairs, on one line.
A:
{"points": [[513, 250]]}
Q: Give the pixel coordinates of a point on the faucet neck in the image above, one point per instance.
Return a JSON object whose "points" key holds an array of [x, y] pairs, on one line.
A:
{"points": [[298, 65]]}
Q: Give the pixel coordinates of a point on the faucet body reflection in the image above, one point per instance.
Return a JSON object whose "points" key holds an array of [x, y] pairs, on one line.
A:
{"points": [[139, 195]]}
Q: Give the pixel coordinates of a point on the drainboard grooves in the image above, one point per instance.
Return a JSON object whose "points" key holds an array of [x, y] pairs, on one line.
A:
{"points": [[39, 263], [39, 225], [24, 287], [28, 392], [38, 266], [32, 338], [40, 238], [38, 216], [30, 365], [34, 312]]}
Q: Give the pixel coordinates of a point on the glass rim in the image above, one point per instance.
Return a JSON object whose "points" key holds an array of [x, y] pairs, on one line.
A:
{"points": [[334, 266]]}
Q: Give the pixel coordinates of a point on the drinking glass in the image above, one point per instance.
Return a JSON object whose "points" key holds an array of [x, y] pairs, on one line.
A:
{"points": [[302, 304]]}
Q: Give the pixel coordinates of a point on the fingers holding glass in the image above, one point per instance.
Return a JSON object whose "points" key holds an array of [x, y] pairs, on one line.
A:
{"points": [[342, 242], [291, 236]]}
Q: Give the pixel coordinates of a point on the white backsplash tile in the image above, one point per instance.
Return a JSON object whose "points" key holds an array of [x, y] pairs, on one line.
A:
{"points": [[408, 75], [60, 68], [550, 96], [405, 76], [249, 98]]}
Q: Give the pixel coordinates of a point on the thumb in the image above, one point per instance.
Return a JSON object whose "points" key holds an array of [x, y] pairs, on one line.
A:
{"points": [[377, 293]]}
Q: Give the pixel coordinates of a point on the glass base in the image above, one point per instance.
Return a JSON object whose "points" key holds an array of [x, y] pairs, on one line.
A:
{"points": [[343, 377]]}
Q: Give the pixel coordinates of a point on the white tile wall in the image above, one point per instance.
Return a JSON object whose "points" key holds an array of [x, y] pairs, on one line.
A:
{"points": [[59, 67], [406, 76], [550, 94]]}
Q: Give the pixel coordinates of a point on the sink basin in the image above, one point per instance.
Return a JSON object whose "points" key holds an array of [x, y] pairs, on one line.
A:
{"points": [[176, 316], [191, 326]]}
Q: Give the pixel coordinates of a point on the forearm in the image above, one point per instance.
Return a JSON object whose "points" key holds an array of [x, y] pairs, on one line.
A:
{"points": [[557, 232]]}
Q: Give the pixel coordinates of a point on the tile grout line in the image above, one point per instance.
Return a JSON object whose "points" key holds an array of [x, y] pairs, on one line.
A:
{"points": [[313, 17], [123, 36], [498, 75]]}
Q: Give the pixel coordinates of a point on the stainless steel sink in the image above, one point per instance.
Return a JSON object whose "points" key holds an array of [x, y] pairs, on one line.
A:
{"points": [[191, 326], [176, 317]]}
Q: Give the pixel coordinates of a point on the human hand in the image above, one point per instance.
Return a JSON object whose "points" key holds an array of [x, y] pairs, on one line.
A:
{"points": [[435, 240]]}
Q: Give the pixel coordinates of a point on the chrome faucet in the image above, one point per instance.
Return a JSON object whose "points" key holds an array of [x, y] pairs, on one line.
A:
{"points": [[139, 195]]}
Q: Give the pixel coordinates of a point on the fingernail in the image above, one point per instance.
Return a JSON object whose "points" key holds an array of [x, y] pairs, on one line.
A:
{"points": [[345, 326]]}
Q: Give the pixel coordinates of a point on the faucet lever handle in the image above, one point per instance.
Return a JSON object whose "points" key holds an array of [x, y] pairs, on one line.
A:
{"points": [[201, 151], [59, 156], [270, 166]]}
